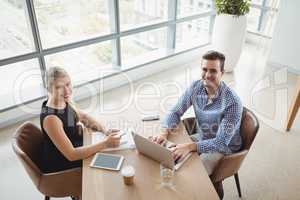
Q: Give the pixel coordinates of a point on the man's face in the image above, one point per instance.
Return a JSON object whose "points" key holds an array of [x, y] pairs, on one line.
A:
{"points": [[211, 73]]}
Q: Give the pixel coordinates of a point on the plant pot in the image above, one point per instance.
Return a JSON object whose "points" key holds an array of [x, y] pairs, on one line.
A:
{"points": [[228, 37]]}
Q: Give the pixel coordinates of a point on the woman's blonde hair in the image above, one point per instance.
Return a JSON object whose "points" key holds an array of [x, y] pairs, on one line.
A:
{"points": [[52, 74]]}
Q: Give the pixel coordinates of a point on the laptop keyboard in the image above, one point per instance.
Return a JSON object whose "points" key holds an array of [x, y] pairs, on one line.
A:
{"points": [[168, 145]]}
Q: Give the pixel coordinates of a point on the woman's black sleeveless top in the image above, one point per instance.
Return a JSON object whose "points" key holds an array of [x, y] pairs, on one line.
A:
{"points": [[53, 159]]}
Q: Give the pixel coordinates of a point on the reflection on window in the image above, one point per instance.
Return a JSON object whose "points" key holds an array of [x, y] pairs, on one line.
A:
{"points": [[65, 21], [259, 2], [267, 17], [142, 47], [142, 12], [252, 19], [192, 33], [270, 3], [273, 3], [22, 81], [188, 7], [85, 63], [15, 31], [268, 23]]}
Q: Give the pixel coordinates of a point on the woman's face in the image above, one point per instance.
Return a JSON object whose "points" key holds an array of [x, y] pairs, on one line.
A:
{"points": [[61, 89]]}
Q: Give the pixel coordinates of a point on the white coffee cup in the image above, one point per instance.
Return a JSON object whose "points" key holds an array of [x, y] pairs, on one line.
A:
{"points": [[128, 174]]}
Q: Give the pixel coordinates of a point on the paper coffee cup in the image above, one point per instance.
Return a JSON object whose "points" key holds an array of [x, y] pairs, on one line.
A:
{"points": [[128, 174]]}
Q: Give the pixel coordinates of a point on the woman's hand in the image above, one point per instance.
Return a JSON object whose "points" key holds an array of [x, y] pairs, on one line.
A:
{"points": [[112, 140], [112, 130]]}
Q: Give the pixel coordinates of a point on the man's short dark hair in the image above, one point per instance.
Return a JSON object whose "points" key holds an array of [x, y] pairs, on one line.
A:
{"points": [[215, 55]]}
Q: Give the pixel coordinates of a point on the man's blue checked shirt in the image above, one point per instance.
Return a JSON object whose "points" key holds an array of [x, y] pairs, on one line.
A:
{"points": [[218, 120]]}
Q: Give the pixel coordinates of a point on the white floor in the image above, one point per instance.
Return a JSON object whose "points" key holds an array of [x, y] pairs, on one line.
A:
{"points": [[271, 169]]}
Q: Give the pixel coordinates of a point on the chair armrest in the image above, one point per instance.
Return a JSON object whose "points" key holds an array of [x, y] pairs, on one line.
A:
{"points": [[228, 166], [62, 183], [190, 125]]}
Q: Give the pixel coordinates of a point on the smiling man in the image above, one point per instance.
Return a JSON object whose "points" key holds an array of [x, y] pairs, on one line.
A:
{"points": [[218, 113]]}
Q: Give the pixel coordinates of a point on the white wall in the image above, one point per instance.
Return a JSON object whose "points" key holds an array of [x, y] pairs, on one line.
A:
{"points": [[285, 50]]}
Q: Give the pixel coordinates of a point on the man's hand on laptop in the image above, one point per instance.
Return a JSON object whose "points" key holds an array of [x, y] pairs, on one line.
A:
{"points": [[158, 139], [161, 138], [181, 150]]}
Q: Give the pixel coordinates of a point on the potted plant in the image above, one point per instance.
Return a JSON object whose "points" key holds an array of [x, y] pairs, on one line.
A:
{"points": [[230, 29]]}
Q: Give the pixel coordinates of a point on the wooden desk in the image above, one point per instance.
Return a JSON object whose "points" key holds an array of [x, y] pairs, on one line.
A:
{"points": [[294, 107], [191, 180]]}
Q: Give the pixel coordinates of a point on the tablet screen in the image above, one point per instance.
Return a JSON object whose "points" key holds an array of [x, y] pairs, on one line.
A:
{"points": [[107, 161]]}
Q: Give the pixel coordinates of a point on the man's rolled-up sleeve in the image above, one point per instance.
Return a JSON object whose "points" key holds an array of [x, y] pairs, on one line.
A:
{"points": [[172, 118]]}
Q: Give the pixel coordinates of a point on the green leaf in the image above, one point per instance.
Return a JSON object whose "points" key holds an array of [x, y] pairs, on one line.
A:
{"points": [[232, 7]]}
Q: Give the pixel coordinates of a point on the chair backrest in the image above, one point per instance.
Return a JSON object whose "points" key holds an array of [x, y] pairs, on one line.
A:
{"points": [[249, 128], [27, 144], [190, 125], [230, 164]]}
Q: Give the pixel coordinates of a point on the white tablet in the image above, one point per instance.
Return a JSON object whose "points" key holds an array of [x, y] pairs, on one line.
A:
{"points": [[107, 161]]}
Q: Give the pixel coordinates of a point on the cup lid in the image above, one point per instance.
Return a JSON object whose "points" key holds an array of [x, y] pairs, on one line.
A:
{"points": [[128, 170]]}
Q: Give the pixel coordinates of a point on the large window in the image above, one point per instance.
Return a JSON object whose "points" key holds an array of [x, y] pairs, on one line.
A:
{"points": [[191, 7], [269, 3], [15, 31], [145, 46], [84, 63], [262, 16], [66, 21], [253, 19], [134, 13], [192, 33], [91, 39], [20, 82]]}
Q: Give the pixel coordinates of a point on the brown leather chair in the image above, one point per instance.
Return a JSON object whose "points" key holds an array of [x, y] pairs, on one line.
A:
{"points": [[27, 144], [230, 164]]}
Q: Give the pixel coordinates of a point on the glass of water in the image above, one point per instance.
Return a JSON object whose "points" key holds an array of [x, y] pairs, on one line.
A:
{"points": [[166, 175]]}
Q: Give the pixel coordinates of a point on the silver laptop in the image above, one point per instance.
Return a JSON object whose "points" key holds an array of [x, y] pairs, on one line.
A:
{"points": [[159, 153]]}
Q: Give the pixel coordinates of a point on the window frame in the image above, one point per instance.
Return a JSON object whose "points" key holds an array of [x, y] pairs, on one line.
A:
{"points": [[114, 16]]}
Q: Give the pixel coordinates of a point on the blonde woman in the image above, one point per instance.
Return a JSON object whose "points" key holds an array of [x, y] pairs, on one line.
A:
{"points": [[63, 144]]}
